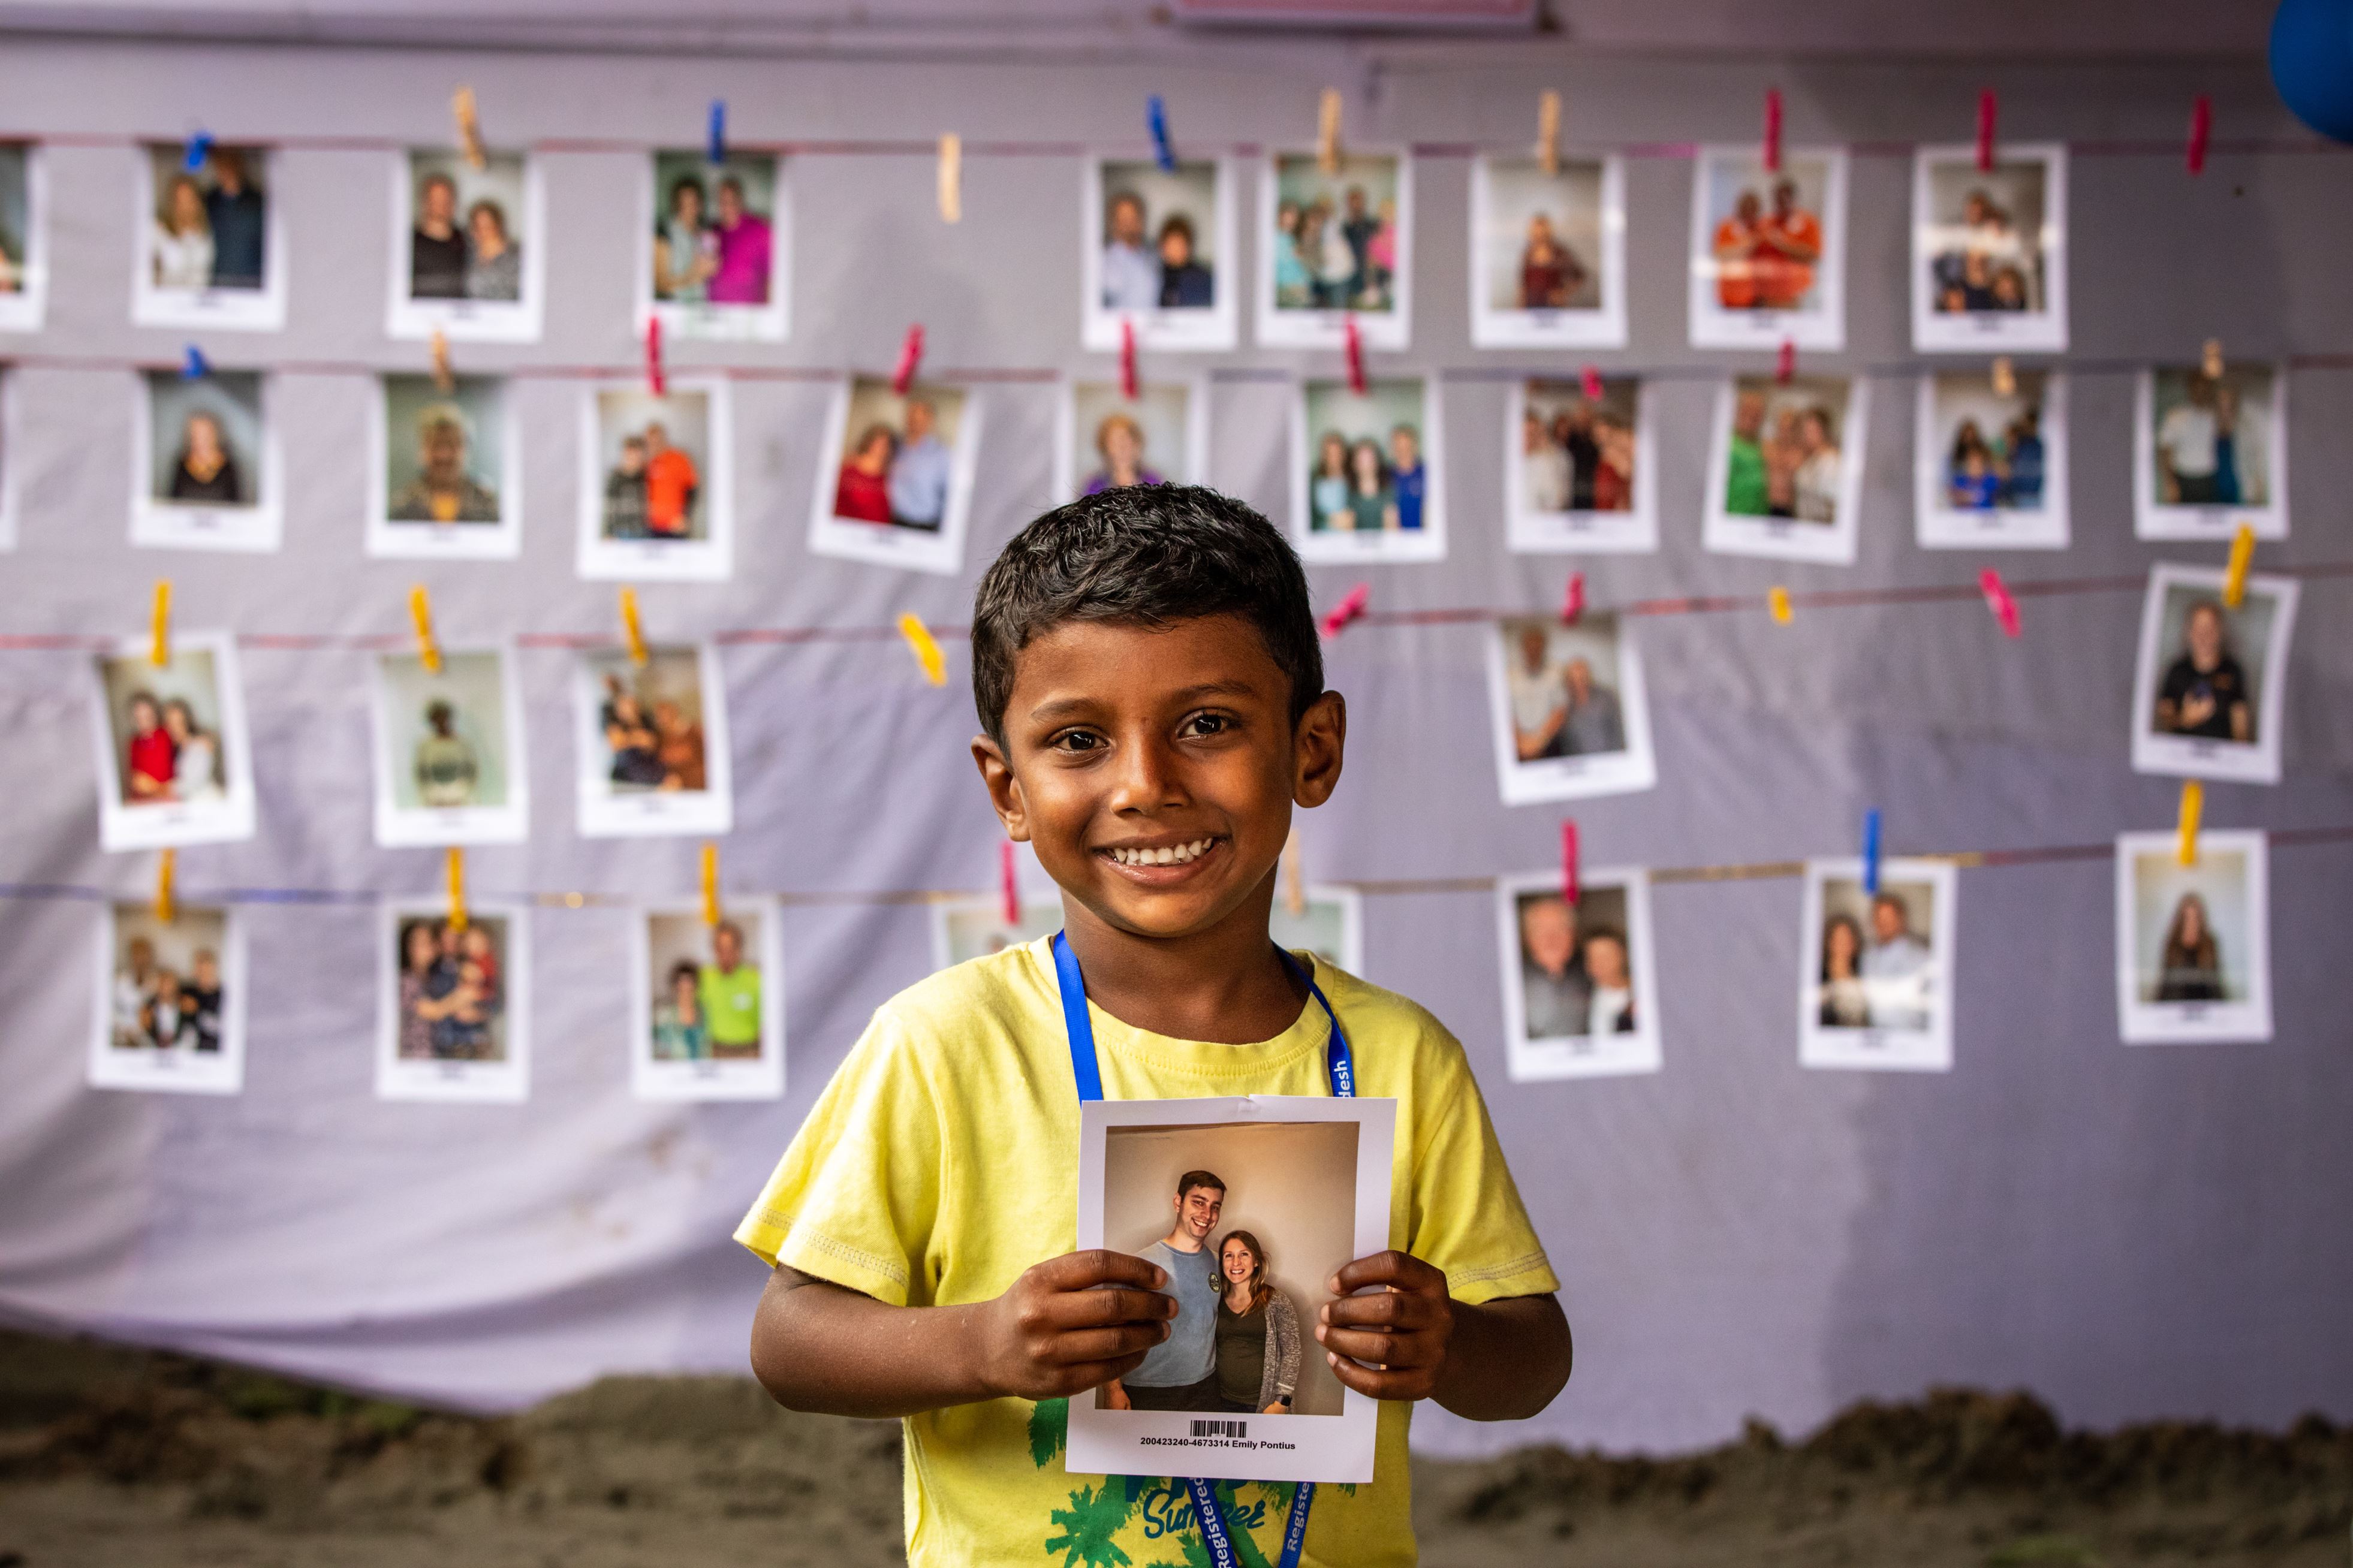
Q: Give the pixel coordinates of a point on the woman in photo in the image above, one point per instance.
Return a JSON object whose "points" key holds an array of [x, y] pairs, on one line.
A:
{"points": [[1845, 1005], [1550, 274], [195, 759], [1372, 500], [494, 261], [685, 252], [444, 763], [183, 237], [1293, 284], [632, 741], [151, 757], [862, 493], [1258, 1332], [681, 1032], [1973, 472], [1817, 468], [679, 749], [1185, 283], [204, 471], [420, 963], [1119, 442], [1613, 469], [1612, 1007], [1328, 486], [2191, 967]]}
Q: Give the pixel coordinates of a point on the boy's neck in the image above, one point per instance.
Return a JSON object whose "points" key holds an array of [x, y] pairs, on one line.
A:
{"points": [[1225, 985]]}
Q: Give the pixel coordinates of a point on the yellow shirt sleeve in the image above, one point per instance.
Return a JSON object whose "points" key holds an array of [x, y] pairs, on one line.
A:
{"points": [[856, 1199], [1466, 1216]]}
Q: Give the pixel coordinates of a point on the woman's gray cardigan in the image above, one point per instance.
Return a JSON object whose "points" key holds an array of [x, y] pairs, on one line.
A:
{"points": [[1282, 1374]]}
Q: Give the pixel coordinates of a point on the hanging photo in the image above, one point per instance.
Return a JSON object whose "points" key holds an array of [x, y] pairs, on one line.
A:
{"points": [[1876, 990], [1105, 439], [174, 766], [709, 1004], [1769, 250], [1365, 479], [1329, 926], [204, 462], [2193, 942], [1567, 711], [1583, 469], [1157, 254], [1332, 248], [657, 481], [1251, 1205], [1548, 253], [651, 742], [1990, 249], [448, 471], [715, 249], [1785, 468], [24, 239], [2210, 453], [448, 750], [468, 247], [2208, 687], [211, 244], [453, 1003], [898, 490], [1989, 467], [169, 1012], [1579, 998]]}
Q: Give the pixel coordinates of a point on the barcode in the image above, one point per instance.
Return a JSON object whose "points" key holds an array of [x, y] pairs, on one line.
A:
{"points": [[1220, 1428]]}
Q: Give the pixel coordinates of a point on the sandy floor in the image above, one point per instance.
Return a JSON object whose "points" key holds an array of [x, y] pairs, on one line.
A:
{"points": [[138, 1461]]}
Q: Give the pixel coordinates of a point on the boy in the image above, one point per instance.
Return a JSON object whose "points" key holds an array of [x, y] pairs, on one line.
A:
{"points": [[1147, 672]]}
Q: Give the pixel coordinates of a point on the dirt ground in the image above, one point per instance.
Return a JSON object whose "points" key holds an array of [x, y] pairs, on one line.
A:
{"points": [[134, 1460]]}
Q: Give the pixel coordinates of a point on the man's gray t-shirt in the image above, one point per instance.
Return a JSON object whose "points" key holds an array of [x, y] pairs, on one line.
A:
{"points": [[1189, 1353]]}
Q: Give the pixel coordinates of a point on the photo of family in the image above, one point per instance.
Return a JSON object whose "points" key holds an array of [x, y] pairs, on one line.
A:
{"points": [[206, 460], [2193, 942], [1548, 253], [2210, 452], [1156, 248], [1328, 927], [1876, 991], [1769, 250], [209, 240], [1364, 472], [171, 1001], [650, 742], [1568, 709], [1988, 249], [899, 489], [2208, 687], [657, 483], [1105, 439], [24, 239], [453, 1004], [467, 248], [448, 754], [1785, 468], [710, 1003], [173, 767], [1578, 467], [1334, 247], [443, 487], [1989, 466], [1250, 1206], [715, 248], [1577, 993]]}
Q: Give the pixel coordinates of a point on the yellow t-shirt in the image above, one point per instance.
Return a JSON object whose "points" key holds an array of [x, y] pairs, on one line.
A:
{"points": [[942, 1160]]}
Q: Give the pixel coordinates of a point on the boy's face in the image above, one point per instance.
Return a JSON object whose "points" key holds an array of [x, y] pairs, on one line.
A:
{"points": [[1125, 743]]}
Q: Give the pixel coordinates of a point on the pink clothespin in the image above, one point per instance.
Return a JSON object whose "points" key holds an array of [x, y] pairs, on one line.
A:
{"points": [[2201, 130], [1987, 109], [1127, 383], [1784, 365], [910, 356], [1008, 882], [1998, 600], [1355, 343], [1351, 605], [1572, 603], [654, 382], [1772, 129], [1589, 383], [1568, 887]]}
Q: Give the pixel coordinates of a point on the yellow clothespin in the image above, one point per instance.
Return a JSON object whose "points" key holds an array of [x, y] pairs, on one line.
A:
{"points": [[2005, 380], [1548, 132], [631, 627], [166, 862], [2242, 553], [443, 379], [1294, 880], [711, 884], [927, 648], [457, 876], [2193, 805], [1327, 132], [421, 611], [159, 643], [2210, 361], [469, 128], [951, 177], [1779, 602]]}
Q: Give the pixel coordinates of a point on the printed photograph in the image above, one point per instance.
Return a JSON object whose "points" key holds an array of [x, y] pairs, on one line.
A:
{"points": [[173, 765], [171, 1001], [716, 247], [443, 484], [1548, 253], [651, 743], [2193, 942], [466, 255], [1579, 468], [2208, 683], [1877, 991], [1578, 994], [1334, 245], [1155, 254], [657, 494], [899, 489], [209, 241], [454, 1003], [207, 463], [1769, 250], [1988, 254], [1568, 709], [1989, 466], [449, 766], [1785, 470], [1363, 480], [1328, 927], [2211, 452], [1107, 439], [710, 1004], [24, 239]]}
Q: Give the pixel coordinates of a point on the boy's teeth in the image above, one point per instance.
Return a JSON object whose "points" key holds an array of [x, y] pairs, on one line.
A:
{"points": [[1176, 854]]}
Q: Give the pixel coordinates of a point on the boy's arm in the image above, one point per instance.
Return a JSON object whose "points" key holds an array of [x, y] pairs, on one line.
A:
{"points": [[1493, 1361], [819, 1347]]}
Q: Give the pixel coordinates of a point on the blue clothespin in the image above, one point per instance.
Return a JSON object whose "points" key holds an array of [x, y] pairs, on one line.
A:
{"points": [[1155, 117], [717, 149], [195, 365], [200, 148], [1871, 850]]}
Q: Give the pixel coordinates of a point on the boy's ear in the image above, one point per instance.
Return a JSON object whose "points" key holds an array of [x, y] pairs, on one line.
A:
{"points": [[1316, 744], [1004, 789]]}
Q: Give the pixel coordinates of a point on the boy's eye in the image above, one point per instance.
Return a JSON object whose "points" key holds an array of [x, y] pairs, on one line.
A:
{"points": [[1205, 724], [1075, 740]]}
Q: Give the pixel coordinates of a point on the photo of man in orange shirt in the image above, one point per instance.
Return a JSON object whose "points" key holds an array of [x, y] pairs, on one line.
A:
{"points": [[1736, 252], [1788, 242], [671, 485]]}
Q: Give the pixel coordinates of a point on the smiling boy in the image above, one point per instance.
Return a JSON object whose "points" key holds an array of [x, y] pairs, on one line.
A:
{"points": [[1148, 678]]}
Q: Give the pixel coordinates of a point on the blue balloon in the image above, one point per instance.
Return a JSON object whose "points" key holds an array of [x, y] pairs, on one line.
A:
{"points": [[2312, 63]]}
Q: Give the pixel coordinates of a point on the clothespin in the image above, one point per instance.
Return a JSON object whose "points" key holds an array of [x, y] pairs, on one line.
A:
{"points": [[200, 151], [1569, 888], [1155, 119], [1352, 342], [1008, 883], [1548, 132], [166, 863], [443, 379], [1127, 382], [1777, 599], [1294, 876], [910, 356], [1987, 109], [2243, 553], [469, 129], [1871, 850], [1785, 364], [1998, 599], [715, 139], [420, 611], [1572, 602], [1351, 605], [159, 640], [2005, 379], [455, 873], [632, 629], [1588, 382], [2201, 130], [2193, 806], [1772, 129], [194, 366], [1327, 132], [951, 177], [926, 647], [711, 884], [2209, 359]]}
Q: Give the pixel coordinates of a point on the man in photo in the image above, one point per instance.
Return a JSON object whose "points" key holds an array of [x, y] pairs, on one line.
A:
{"points": [[436, 247], [2021, 462], [1544, 466], [747, 249], [1593, 720], [625, 492], [202, 995], [672, 482], [236, 212], [1407, 481], [1789, 243], [446, 769], [1895, 967], [443, 490], [1185, 284], [919, 472], [1539, 698], [1359, 228], [134, 983], [2204, 692], [729, 990], [1735, 249], [1131, 274], [1746, 486], [1555, 990], [2189, 447], [1180, 1372]]}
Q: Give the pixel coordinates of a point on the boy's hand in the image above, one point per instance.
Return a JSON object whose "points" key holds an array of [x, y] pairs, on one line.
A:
{"points": [[1400, 1335], [1072, 1324]]}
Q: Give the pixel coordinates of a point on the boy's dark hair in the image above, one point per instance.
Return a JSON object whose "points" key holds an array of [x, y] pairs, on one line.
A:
{"points": [[1146, 555], [1191, 1179]]}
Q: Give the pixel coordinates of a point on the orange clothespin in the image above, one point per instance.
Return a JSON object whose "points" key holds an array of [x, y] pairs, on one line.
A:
{"points": [[159, 637], [951, 177], [444, 379], [420, 611], [1294, 875], [469, 129], [2005, 379], [632, 628], [1548, 132], [456, 875], [1008, 883], [1327, 132], [2242, 554], [2209, 359], [711, 884], [1777, 599], [166, 862], [926, 647], [2193, 806]]}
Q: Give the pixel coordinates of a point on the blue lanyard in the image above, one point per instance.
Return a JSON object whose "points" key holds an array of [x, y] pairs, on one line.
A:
{"points": [[1341, 1068]]}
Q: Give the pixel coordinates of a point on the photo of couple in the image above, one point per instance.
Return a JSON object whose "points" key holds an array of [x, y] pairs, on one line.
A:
{"points": [[1767, 248], [1882, 977], [710, 1011], [653, 486], [466, 247], [440, 464], [709, 1001], [450, 762], [1787, 467], [1155, 243], [714, 246], [653, 740], [1567, 705], [1365, 490], [1235, 1343], [1335, 246], [652, 743], [208, 233], [168, 755], [899, 487], [1547, 253], [470, 255], [1577, 976], [1991, 464], [1875, 990], [173, 746], [170, 1008], [209, 467], [453, 1004], [896, 471], [2207, 697], [2193, 942], [1154, 263], [1107, 439], [2212, 452], [1989, 252], [657, 498]]}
